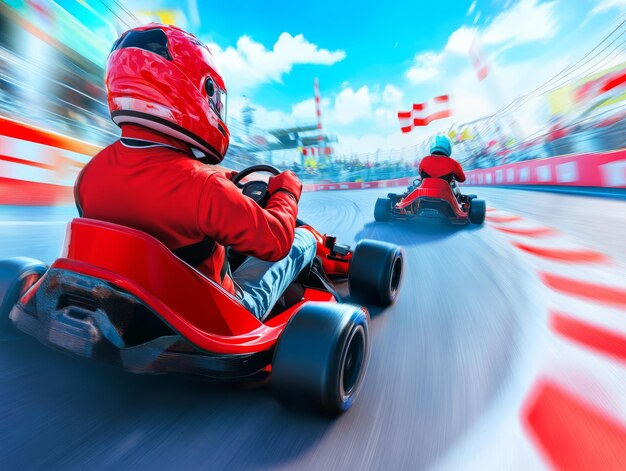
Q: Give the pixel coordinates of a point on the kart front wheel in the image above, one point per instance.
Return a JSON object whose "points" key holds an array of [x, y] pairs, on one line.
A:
{"points": [[321, 356], [382, 210], [17, 275], [477, 211], [375, 272]]}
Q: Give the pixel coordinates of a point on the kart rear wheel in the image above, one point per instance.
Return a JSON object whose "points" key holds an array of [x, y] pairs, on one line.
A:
{"points": [[382, 210], [375, 272], [393, 198], [17, 275], [321, 357], [477, 211]]}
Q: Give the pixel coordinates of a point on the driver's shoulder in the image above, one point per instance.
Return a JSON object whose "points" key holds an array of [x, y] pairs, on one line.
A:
{"points": [[200, 173], [213, 182]]}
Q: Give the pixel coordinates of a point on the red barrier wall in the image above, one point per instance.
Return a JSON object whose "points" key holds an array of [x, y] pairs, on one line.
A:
{"points": [[358, 185], [606, 170], [39, 167]]}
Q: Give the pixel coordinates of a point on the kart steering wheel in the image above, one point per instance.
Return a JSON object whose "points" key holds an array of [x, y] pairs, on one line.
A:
{"points": [[255, 189]]}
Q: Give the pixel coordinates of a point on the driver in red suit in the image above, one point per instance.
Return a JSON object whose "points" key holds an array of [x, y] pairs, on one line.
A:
{"points": [[439, 164], [166, 94]]}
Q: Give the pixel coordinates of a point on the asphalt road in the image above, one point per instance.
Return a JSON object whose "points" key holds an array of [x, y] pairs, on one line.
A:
{"points": [[442, 358]]}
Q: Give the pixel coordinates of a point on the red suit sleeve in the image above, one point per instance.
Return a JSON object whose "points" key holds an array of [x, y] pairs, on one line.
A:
{"points": [[230, 218], [458, 173]]}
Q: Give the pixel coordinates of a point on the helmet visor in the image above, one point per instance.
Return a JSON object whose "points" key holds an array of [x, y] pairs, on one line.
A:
{"points": [[218, 103]]}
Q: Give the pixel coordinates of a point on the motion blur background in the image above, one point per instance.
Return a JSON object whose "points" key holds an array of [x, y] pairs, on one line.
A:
{"points": [[508, 347], [555, 86]]}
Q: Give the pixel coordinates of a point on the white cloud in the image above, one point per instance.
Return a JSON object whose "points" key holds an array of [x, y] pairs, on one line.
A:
{"points": [[527, 21], [460, 40], [392, 96], [351, 106], [346, 108], [606, 5], [271, 119], [385, 115], [425, 67], [250, 63], [305, 110]]}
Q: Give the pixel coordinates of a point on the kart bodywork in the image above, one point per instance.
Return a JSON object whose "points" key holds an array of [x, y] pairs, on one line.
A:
{"points": [[119, 295], [433, 198]]}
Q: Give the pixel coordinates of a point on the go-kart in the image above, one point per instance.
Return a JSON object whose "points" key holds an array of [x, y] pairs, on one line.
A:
{"points": [[120, 296], [432, 198]]}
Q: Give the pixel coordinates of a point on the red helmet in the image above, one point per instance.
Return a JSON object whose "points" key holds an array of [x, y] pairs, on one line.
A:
{"points": [[163, 78]]}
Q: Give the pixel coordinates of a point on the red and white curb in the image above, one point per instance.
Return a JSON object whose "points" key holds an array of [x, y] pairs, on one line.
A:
{"points": [[575, 412]]}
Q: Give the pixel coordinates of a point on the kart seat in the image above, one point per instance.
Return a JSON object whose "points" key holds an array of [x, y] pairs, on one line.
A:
{"points": [[434, 187], [143, 266]]}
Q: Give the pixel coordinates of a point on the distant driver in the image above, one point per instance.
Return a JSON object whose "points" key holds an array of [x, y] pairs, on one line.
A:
{"points": [[439, 164]]}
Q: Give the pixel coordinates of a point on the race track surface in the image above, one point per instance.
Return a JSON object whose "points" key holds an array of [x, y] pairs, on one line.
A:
{"points": [[446, 360]]}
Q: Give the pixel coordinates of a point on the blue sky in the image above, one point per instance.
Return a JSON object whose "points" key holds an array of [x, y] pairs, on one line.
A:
{"points": [[379, 40], [376, 58]]}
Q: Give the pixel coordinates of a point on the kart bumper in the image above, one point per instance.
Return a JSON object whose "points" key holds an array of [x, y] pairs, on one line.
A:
{"points": [[90, 333], [430, 209]]}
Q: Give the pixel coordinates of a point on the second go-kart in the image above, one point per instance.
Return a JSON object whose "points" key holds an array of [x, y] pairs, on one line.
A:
{"points": [[119, 295], [433, 198]]}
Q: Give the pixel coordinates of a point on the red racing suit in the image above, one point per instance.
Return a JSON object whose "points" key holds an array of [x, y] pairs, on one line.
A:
{"points": [[440, 166], [151, 182]]}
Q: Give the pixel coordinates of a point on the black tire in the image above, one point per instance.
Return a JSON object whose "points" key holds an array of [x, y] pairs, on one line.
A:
{"points": [[16, 276], [321, 357], [382, 210], [477, 211], [375, 272]]}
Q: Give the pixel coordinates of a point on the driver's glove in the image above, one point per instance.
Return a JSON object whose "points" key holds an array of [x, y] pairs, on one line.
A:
{"points": [[288, 182]]}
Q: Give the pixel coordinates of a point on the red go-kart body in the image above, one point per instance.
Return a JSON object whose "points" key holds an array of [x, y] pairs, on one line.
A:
{"points": [[119, 295], [432, 199]]}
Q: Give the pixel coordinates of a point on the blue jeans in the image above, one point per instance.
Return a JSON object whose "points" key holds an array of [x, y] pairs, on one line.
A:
{"points": [[263, 283]]}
